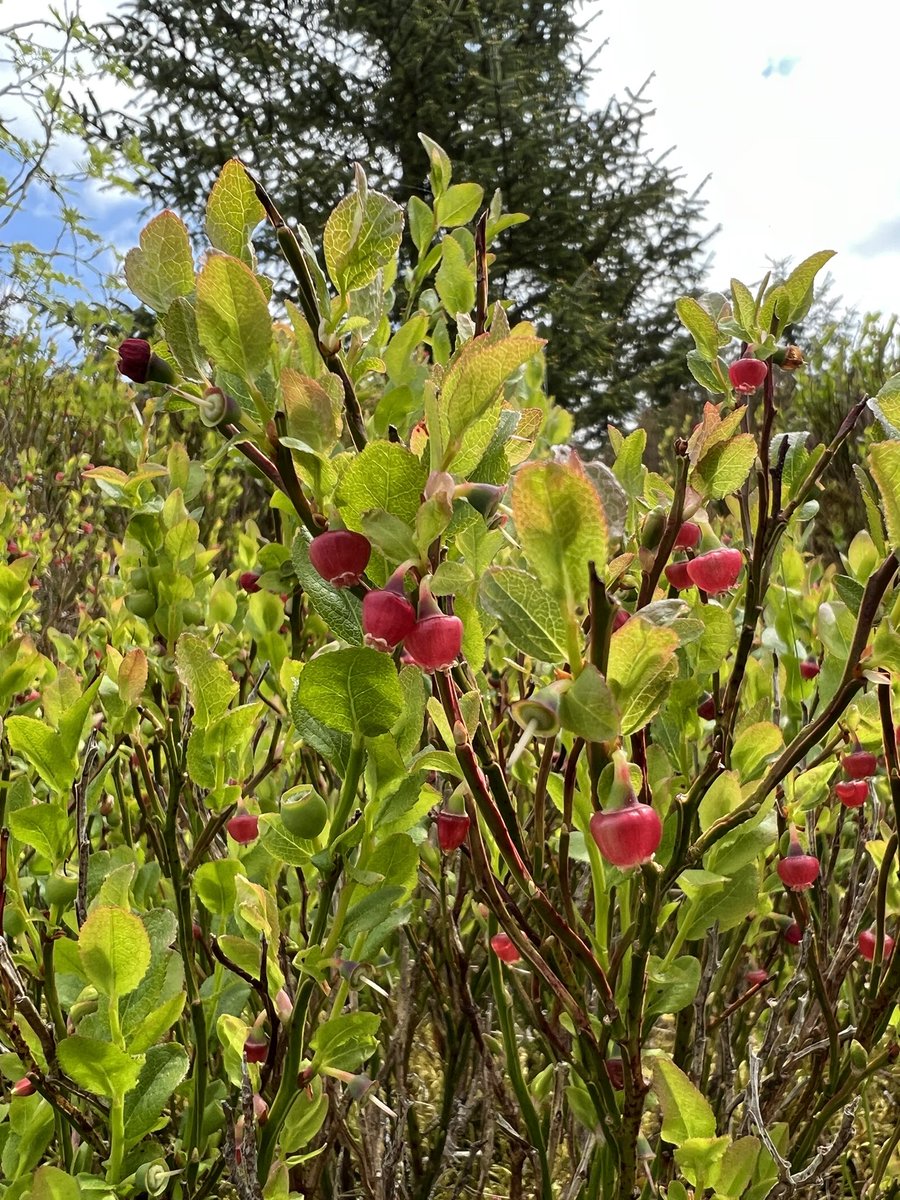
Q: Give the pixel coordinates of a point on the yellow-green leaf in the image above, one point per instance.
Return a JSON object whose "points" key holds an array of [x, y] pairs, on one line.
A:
{"points": [[162, 267], [233, 321]]}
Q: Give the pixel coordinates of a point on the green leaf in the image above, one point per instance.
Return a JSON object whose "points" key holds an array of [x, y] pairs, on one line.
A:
{"points": [[233, 320], [529, 616], [458, 205], [800, 281], [385, 475], [697, 1158], [100, 1067], [735, 1171], [233, 211], [672, 989], [180, 328], [345, 1042], [163, 267], [885, 404], [41, 746], [724, 467], [746, 843], [441, 168], [362, 235], [753, 746], [642, 665], [49, 1183], [355, 691], [629, 467], [473, 381], [561, 525], [729, 907], [43, 826], [132, 677], [396, 859], [313, 415], [210, 684], [421, 224], [587, 708], [744, 309], [339, 609], [722, 798], [284, 846], [700, 325], [214, 885], [114, 949], [164, 1068], [401, 357], [718, 638], [455, 279], [706, 375], [686, 1114], [884, 463]]}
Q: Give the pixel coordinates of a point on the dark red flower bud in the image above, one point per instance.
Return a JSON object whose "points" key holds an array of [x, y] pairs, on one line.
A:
{"points": [[688, 536], [859, 764], [340, 556], [622, 615], [747, 375], [504, 947], [23, 1087], [707, 708], [798, 870], [387, 614], [248, 581], [716, 571], [866, 943], [793, 935], [809, 668], [59, 476], [243, 827], [435, 640], [615, 1069], [452, 830], [255, 1047], [852, 793], [629, 835], [87, 528], [138, 363], [757, 976], [677, 575]]}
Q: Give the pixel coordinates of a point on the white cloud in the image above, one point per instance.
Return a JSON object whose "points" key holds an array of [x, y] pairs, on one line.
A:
{"points": [[801, 156]]}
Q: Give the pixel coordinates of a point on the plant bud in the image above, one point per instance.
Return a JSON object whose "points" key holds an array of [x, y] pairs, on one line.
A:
{"points": [[747, 375], [809, 668], [452, 830], [859, 764], [716, 571], [23, 1087], [867, 941], [859, 1059], [852, 793], [789, 358], [138, 363], [688, 536], [505, 949], [435, 640], [627, 836], [340, 556], [255, 1047], [248, 580], [243, 827], [677, 575], [798, 870], [387, 615], [217, 407]]}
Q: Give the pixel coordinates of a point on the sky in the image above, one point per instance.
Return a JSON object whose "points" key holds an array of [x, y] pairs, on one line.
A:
{"points": [[787, 106], [790, 107]]}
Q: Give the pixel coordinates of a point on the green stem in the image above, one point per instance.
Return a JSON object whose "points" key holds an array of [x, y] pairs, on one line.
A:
{"points": [[287, 1088], [117, 1139], [514, 1069]]}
